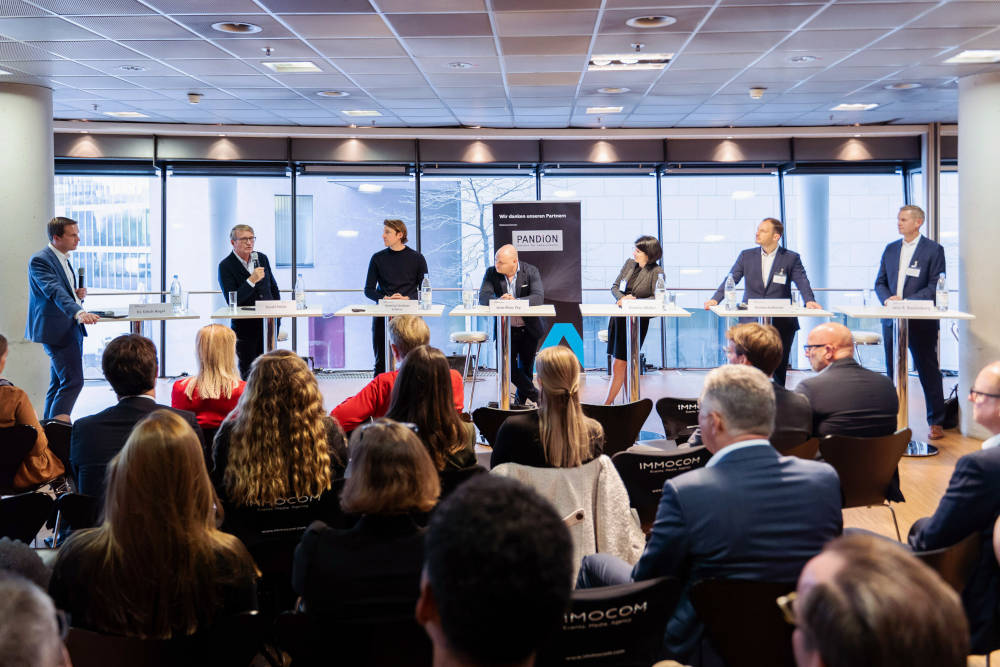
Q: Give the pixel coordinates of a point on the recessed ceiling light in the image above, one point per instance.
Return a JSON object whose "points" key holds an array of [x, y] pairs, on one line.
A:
{"points": [[461, 65], [854, 107], [3, 71], [613, 91], [975, 56], [292, 67], [360, 112], [597, 110], [902, 86], [370, 188], [333, 93], [125, 114], [347, 233], [132, 68], [802, 59], [649, 22], [628, 61], [237, 27]]}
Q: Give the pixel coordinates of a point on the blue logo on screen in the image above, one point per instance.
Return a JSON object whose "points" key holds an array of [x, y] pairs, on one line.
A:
{"points": [[561, 331]]}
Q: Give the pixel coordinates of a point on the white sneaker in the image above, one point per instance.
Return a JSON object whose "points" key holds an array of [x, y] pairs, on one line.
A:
{"points": [[528, 403]]}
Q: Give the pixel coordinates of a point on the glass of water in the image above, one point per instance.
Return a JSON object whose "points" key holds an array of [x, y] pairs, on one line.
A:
{"points": [[232, 302], [468, 298]]}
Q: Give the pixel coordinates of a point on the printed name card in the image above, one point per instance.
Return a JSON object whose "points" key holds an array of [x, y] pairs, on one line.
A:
{"points": [[276, 308], [916, 306], [641, 306], [400, 305], [509, 305], [150, 310], [769, 304]]}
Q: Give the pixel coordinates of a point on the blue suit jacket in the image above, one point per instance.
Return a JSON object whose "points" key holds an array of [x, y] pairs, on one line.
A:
{"points": [[786, 263], [928, 257], [755, 515], [51, 306], [970, 505]]}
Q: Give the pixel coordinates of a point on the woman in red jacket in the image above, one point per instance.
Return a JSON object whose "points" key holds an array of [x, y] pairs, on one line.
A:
{"points": [[213, 392]]}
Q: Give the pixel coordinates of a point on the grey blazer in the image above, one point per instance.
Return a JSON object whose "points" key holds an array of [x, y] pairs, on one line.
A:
{"points": [[642, 285]]}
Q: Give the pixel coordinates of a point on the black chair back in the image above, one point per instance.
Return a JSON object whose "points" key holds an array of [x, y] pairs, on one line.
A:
{"points": [[679, 416], [452, 479], [954, 563], [15, 443], [794, 446], [75, 511], [360, 642], [614, 625], [58, 434], [645, 474], [866, 466], [488, 421], [743, 622], [621, 423], [22, 516]]}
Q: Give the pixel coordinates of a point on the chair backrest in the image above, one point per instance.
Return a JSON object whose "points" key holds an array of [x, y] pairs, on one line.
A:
{"points": [[78, 511], [805, 449], [488, 421], [644, 475], [621, 423], [17, 441], [743, 621], [22, 516], [452, 479], [678, 415], [58, 434], [954, 563], [360, 642], [614, 625], [865, 465]]}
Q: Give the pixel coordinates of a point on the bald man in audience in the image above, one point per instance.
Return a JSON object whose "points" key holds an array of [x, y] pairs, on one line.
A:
{"points": [[865, 601], [971, 505], [846, 398]]}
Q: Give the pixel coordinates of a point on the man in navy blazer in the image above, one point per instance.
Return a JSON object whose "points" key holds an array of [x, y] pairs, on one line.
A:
{"points": [[56, 316], [512, 279], [770, 271], [249, 274], [750, 513], [923, 262]]}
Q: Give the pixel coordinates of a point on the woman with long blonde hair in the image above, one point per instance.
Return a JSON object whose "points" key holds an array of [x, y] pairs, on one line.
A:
{"points": [[214, 391], [557, 435], [156, 567]]}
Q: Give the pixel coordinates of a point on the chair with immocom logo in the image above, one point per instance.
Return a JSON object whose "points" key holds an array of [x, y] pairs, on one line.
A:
{"points": [[679, 417], [645, 473]]}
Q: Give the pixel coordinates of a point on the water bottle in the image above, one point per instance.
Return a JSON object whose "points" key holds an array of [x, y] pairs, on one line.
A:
{"points": [[425, 293], [660, 292], [176, 296], [468, 296], [730, 292], [942, 293], [300, 293]]}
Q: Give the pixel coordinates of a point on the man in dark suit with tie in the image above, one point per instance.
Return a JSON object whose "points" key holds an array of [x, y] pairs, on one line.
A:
{"points": [[770, 271], [130, 367], [249, 274], [910, 269], [511, 279], [56, 316]]}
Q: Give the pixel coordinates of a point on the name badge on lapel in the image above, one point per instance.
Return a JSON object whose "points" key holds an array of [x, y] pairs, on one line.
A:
{"points": [[914, 270], [780, 278]]}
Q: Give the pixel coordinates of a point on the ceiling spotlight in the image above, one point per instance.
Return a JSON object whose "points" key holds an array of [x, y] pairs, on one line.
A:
{"points": [[854, 107], [236, 27], [613, 91], [974, 57], [360, 112], [3, 72], [649, 22], [267, 50], [460, 65], [757, 92], [132, 68], [600, 61], [194, 98], [302, 66], [333, 93], [125, 114], [902, 86], [802, 59], [628, 61], [600, 110]]}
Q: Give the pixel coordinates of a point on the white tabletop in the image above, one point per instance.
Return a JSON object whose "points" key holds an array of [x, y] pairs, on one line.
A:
{"points": [[546, 310], [250, 312], [795, 311], [881, 312], [374, 310], [149, 318], [612, 310]]}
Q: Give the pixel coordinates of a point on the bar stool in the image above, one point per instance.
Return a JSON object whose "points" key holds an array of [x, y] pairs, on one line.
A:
{"points": [[864, 338], [470, 338]]}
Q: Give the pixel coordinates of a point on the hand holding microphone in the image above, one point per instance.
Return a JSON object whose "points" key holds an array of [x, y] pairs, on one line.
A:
{"points": [[81, 291], [258, 271]]}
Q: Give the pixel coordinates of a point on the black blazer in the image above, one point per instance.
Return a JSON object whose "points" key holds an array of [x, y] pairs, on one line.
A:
{"points": [[848, 399], [233, 278], [792, 412], [97, 438], [529, 286], [786, 263]]}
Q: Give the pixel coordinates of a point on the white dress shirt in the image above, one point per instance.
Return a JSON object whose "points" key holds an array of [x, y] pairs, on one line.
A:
{"points": [[766, 262], [515, 321], [248, 265], [729, 449], [905, 255], [64, 260], [991, 442]]}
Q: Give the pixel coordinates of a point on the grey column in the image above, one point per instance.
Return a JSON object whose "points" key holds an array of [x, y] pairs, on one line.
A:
{"points": [[222, 217], [979, 232], [26, 199], [810, 238]]}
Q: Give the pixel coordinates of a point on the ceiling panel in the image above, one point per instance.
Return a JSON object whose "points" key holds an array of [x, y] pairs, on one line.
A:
{"points": [[202, 7], [513, 24], [541, 46], [42, 29], [202, 25], [927, 37], [444, 25], [10, 8], [359, 48], [960, 15], [176, 48], [255, 48], [451, 46], [403, 6], [337, 25], [134, 27], [872, 15], [759, 18], [316, 6], [687, 20], [831, 40], [377, 65]]}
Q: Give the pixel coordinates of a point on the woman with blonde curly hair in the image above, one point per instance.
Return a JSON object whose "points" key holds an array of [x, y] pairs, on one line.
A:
{"points": [[156, 567], [214, 391], [557, 435]]}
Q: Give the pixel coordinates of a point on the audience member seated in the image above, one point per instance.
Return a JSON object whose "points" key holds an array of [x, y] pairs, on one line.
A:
{"points": [[557, 435], [971, 505], [865, 601], [18, 558], [497, 575], [759, 346], [277, 454], [749, 514], [130, 367], [156, 567], [40, 465], [373, 569], [29, 626], [846, 398], [423, 395], [406, 332], [213, 392]]}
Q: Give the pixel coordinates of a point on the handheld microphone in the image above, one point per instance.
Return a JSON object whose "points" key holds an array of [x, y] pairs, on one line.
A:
{"points": [[79, 276], [255, 259]]}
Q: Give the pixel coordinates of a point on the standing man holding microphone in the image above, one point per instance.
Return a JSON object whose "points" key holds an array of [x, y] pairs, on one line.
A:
{"points": [[248, 273]]}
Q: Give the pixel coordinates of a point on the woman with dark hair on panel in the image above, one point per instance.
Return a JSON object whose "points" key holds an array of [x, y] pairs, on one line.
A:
{"points": [[639, 275]]}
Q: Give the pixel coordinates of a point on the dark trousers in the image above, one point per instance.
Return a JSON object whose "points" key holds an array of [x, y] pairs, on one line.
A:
{"points": [[523, 347], [65, 377], [249, 343], [786, 327], [923, 342], [378, 343]]}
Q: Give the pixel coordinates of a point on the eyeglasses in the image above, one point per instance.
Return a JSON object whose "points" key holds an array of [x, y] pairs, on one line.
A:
{"points": [[246, 239], [809, 347], [364, 427], [786, 603], [980, 396]]}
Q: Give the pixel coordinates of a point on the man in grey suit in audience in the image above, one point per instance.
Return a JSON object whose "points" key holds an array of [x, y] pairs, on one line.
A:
{"points": [[749, 514]]}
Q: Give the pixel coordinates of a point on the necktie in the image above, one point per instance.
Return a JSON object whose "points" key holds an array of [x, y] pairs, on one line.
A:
{"points": [[72, 281]]}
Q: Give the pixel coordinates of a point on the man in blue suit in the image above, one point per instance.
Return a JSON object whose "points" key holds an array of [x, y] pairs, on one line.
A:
{"points": [[56, 316], [922, 262], [770, 271], [750, 513]]}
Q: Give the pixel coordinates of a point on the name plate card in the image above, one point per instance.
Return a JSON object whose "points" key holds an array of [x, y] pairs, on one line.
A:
{"points": [[769, 304], [641, 306], [276, 308], [150, 310], [509, 305], [400, 305], [916, 306]]}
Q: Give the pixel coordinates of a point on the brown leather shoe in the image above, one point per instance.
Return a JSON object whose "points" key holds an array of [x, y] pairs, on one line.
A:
{"points": [[936, 432]]}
